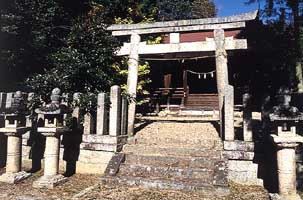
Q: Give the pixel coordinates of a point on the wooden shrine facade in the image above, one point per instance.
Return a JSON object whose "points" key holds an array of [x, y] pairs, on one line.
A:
{"points": [[183, 40]]}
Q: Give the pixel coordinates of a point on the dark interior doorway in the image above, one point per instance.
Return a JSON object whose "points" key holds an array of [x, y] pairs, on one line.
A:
{"points": [[201, 76]]}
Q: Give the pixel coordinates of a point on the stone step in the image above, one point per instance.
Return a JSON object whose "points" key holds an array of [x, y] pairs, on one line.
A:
{"points": [[187, 142], [201, 175], [171, 150], [167, 184], [170, 161]]}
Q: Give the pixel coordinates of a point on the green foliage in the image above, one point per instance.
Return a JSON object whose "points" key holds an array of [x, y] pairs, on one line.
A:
{"points": [[174, 9], [284, 17], [84, 63], [30, 31], [185, 9], [203, 9], [53, 43]]}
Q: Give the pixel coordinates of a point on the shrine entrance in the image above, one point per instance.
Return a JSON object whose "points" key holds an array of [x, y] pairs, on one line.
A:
{"points": [[186, 41], [201, 76], [184, 84]]}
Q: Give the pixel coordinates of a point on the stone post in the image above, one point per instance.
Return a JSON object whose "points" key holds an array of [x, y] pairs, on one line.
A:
{"points": [[286, 142], [101, 115], [115, 111], [221, 70], [53, 128], [132, 80], [229, 130], [2, 105], [124, 116], [76, 111], [9, 97], [247, 118], [88, 124]]}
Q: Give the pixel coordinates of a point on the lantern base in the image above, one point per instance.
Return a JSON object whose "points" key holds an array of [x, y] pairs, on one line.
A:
{"points": [[13, 178], [49, 182], [280, 197]]}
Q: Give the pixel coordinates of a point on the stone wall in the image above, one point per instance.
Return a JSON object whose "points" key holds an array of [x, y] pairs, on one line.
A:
{"points": [[244, 165], [89, 161]]}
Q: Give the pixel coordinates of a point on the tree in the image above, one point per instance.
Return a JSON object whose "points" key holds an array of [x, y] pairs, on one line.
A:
{"points": [[174, 9], [278, 9], [30, 31], [203, 9], [85, 62]]}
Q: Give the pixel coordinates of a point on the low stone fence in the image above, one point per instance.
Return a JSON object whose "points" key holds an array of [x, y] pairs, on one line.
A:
{"points": [[87, 148], [252, 155], [243, 151]]}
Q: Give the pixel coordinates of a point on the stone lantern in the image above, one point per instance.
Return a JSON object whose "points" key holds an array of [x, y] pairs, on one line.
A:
{"points": [[15, 127], [53, 115], [284, 118]]}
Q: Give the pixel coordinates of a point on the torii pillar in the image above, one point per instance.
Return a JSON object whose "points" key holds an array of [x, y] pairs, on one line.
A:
{"points": [[225, 91], [132, 81]]}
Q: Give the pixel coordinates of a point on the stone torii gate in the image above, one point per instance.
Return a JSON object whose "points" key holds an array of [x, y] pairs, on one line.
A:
{"points": [[218, 44]]}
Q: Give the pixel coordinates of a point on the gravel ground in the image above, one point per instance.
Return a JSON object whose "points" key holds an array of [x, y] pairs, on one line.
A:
{"points": [[25, 191], [238, 192], [184, 129], [86, 187]]}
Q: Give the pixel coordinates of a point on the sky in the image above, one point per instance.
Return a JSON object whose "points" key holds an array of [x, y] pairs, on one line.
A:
{"points": [[231, 7]]}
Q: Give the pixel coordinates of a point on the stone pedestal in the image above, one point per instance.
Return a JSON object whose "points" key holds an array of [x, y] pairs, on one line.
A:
{"points": [[286, 142], [13, 172], [51, 177]]}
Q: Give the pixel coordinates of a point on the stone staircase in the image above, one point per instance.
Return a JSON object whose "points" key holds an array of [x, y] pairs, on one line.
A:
{"points": [[174, 155], [203, 101]]}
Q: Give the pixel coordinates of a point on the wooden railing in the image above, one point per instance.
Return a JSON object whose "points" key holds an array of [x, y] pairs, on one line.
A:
{"points": [[163, 97]]}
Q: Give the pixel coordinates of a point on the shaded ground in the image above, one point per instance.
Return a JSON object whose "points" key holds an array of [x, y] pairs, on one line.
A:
{"points": [[25, 191]]}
